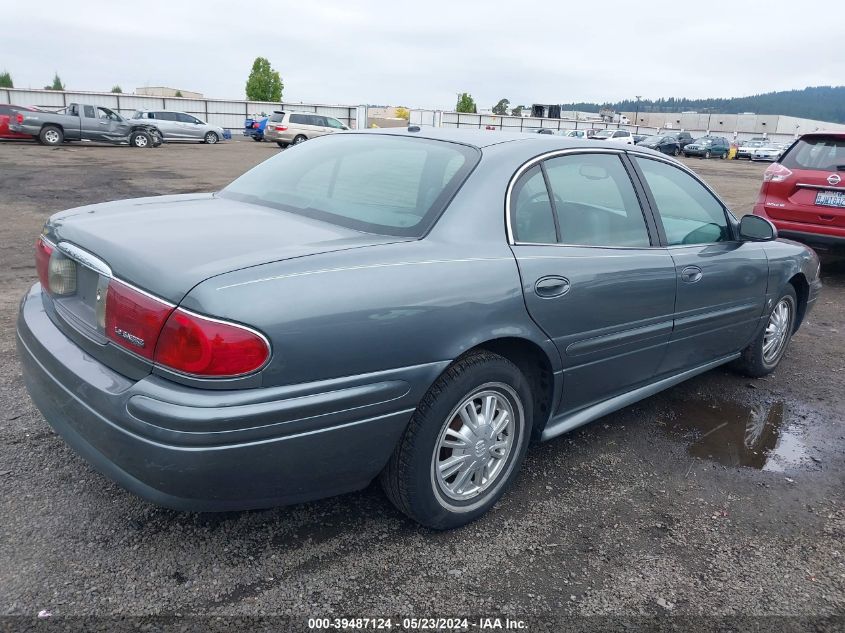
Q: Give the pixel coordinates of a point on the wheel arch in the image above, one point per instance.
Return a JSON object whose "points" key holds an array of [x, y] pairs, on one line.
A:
{"points": [[802, 291], [537, 367]]}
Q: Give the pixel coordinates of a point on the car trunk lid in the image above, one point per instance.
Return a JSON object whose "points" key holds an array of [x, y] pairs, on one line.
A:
{"points": [[166, 245]]}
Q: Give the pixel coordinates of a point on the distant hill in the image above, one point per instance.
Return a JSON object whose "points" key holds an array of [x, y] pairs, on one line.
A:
{"points": [[824, 103]]}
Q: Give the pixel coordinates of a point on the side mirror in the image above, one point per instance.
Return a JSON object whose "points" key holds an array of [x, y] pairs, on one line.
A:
{"points": [[753, 228]]}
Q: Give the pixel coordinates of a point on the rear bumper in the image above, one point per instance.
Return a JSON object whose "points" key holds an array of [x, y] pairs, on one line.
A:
{"points": [[207, 450], [271, 134], [822, 238]]}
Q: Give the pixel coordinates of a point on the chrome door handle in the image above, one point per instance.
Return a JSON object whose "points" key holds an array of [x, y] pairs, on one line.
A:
{"points": [[691, 274], [551, 286]]}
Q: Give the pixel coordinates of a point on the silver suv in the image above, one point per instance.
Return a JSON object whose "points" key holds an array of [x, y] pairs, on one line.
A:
{"points": [[288, 128], [181, 126]]}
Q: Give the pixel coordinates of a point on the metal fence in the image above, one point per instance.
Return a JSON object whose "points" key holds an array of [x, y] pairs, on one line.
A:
{"points": [[440, 118], [225, 113]]}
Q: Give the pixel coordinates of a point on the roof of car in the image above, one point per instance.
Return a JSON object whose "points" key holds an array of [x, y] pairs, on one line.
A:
{"points": [[487, 138]]}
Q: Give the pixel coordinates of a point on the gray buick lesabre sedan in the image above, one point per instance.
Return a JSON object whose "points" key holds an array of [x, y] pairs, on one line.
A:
{"points": [[414, 305]]}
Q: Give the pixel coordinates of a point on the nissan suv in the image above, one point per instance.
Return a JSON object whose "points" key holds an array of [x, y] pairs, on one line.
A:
{"points": [[803, 193], [292, 128]]}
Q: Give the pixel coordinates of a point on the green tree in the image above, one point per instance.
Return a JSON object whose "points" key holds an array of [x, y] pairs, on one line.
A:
{"points": [[264, 83], [178, 93], [465, 103], [501, 108], [57, 84], [6, 80], [517, 111], [117, 89]]}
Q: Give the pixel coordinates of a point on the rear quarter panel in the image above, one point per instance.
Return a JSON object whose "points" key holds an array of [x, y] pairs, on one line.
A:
{"points": [[787, 259], [372, 309]]}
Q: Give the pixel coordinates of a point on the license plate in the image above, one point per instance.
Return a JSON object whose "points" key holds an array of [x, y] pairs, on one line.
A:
{"points": [[831, 199]]}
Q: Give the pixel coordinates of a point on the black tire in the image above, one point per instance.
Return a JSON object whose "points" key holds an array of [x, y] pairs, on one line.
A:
{"points": [[409, 478], [299, 138], [51, 135], [210, 138], [754, 362], [140, 140], [677, 151], [724, 155], [282, 145], [257, 139]]}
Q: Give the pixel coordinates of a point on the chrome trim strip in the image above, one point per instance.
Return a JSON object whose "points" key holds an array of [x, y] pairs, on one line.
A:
{"points": [[822, 187], [83, 257]]}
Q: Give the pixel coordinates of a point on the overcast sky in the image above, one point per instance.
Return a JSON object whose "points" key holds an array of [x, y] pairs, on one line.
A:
{"points": [[421, 53]]}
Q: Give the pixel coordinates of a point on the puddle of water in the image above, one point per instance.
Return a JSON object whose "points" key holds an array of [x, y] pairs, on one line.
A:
{"points": [[761, 436]]}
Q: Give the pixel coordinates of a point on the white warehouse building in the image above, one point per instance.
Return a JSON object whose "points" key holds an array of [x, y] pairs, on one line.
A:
{"points": [[744, 125]]}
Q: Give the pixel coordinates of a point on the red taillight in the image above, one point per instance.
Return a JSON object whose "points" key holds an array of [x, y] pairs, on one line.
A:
{"points": [[193, 344], [43, 250], [776, 173], [281, 128], [134, 319], [255, 125]]}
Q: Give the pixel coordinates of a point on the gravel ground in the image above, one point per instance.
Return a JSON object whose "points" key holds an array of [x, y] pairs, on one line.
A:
{"points": [[662, 508]]}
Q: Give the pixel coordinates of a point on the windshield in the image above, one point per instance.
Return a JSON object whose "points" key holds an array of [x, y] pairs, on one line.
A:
{"points": [[753, 144], [385, 184], [703, 141]]}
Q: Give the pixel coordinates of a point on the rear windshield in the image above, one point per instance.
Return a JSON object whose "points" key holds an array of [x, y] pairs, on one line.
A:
{"points": [[826, 153], [276, 117], [390, 185]]}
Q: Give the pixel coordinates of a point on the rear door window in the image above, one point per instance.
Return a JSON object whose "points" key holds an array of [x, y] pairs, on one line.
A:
{"points": [[531, 209], [825, 153], [276, 117], [595, 201], [298, 118]]}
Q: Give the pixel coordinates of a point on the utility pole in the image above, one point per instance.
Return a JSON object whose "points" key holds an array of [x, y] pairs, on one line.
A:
{"points": [[637, 113]]}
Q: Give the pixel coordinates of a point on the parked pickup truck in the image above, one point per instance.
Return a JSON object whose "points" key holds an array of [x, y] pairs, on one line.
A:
{"points": [[80, 121]]}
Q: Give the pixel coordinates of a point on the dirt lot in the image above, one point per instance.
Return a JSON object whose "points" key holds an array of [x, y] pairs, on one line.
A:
{"points": [[720, 497]]}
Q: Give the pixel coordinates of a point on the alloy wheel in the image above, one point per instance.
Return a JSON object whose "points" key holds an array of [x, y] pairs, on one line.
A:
{"points": [[777, 331], [474, 445]]}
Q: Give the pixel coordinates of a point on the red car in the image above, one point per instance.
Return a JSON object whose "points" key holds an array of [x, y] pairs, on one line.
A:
{"points": [[6, 113], [803, 193]]}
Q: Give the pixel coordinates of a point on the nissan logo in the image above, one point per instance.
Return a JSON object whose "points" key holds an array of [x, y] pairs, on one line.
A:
{"points": [[834, 179]]}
